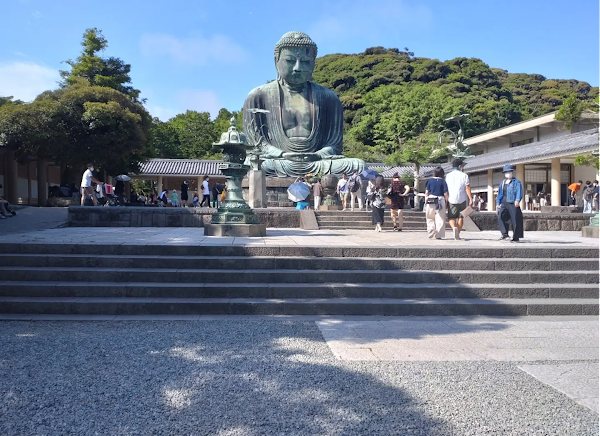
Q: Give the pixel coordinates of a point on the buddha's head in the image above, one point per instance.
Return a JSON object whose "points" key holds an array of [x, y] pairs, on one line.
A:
{"points": [[295, 55]]}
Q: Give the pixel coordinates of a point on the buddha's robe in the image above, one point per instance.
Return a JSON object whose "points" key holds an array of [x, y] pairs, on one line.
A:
{"points": [[324, 139]]}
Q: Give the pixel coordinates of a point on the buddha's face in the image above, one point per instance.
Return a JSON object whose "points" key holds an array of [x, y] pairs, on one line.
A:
{"points": [[295, 65]]}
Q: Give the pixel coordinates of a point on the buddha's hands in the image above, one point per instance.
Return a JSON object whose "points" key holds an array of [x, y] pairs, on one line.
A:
{"points": [[301, 157]]}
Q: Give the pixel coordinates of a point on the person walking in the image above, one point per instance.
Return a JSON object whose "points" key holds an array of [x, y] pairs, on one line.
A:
{"points": [[86, 184], [368, 200], [378, 201], [205, 193], [355, 189], [164, 197], [342, 190], [174, 198], [184, 194], [317, 193], [588, 197], [574, 188], [510, 194], [398, 191], [595, 199], [436, 195], [216, 192], [459, 196]]}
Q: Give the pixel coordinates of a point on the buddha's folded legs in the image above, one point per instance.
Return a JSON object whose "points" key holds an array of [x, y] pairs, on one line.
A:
{"points": [[286, 168]]}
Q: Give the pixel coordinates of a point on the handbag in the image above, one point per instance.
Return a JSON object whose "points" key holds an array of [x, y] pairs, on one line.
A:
{"points": [[432, 200]]}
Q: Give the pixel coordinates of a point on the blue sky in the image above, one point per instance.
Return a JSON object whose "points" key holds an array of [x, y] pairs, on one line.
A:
{"points": [[204, 55]]}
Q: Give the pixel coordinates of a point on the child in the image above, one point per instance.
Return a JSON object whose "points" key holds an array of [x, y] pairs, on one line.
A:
{"points": [[174, 198], [195, 200]]}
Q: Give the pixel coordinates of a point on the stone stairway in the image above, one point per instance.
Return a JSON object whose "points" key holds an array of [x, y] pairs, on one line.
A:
{"points": [[346, 219], [296, 280]]}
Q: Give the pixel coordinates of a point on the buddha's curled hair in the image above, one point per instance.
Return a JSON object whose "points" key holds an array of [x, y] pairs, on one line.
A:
{"points": [[294, 39]]}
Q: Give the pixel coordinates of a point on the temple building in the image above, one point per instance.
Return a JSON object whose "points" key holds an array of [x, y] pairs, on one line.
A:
{"points": [[543, 152]]}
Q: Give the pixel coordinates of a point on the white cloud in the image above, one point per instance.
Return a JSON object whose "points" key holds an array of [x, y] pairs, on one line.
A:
{"points": [[25, 80], [37, 14], [161, 112], [188, 99], [199, 100], [194, 51], [369, 19]]}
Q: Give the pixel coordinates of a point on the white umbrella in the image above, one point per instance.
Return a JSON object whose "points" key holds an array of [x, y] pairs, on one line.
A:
{"points": [[123, 178], [298, 191]]}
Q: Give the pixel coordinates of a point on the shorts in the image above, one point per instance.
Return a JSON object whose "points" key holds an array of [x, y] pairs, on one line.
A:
{"points": [[454, 210], [344, 194], [87, 190], [397, 203]]}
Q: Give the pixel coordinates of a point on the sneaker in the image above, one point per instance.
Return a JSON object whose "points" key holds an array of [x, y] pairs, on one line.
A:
{"points": [[514, 240], [456, 234], [2, 217], [503, 238]]}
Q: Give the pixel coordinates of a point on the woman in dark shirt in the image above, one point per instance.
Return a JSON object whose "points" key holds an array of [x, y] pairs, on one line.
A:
{"points": [[436, 194], [398, 192]]}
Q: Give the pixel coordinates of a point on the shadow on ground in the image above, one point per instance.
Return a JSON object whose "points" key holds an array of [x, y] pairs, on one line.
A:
{"points": [[210, 377]]}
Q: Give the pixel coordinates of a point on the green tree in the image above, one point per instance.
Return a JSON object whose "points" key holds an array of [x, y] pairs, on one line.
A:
{"points": [[79, 124], [196, 134], [571, 111], [223, 121], [110, 72], [163, 141], [9, 101]]}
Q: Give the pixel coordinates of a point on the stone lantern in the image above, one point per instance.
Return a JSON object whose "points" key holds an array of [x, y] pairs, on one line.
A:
{"points": [[234, 217]]}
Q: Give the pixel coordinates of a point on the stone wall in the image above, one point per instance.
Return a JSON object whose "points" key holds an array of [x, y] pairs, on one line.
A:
{"points": [[536, 221], [277, 195], [89, 216]]}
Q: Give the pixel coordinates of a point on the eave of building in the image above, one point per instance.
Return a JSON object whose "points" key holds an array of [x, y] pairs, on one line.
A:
{"points": [[567, 146], [531, 124]]}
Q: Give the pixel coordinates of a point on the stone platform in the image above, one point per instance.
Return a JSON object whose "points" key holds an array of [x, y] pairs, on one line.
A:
{"points": [[235, 230], [90, 216], [180, 271]]}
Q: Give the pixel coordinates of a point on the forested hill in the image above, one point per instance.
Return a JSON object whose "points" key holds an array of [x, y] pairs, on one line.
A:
{"points": [[390, 96]]}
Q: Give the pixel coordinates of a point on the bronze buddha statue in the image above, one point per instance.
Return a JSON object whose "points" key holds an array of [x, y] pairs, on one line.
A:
{"points": [[297, 124]]}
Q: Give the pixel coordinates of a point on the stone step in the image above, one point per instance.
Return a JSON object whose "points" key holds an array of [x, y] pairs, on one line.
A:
{"points": [[505, 251], [333, 306], [299, 263], [291, 276], [297, 290]]}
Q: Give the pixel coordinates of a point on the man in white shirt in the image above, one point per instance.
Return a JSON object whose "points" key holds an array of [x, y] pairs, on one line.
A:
{"points": [[86, 185], [459, 195], [342, 190], [205, 192]]}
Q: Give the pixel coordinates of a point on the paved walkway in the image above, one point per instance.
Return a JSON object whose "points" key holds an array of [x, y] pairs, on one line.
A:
{"points": [[270, 376], [287, 237], [31, 219]]}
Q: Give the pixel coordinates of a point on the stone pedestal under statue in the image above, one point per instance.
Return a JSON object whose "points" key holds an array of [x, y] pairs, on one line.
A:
{"points": [[257, 189], [591, 231]]}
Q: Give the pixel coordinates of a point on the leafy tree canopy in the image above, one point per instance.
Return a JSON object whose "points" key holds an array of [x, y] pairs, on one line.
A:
{"points": [[9, 100], [191, 135], [394, 103], [79, 124], [110, 72]]}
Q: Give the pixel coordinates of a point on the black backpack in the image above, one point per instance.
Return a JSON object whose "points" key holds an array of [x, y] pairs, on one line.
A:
{"points": [[354, 184], [588, 193]]}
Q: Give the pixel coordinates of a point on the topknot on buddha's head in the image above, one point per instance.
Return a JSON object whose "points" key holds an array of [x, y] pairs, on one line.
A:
{"points": [[294, 40]]}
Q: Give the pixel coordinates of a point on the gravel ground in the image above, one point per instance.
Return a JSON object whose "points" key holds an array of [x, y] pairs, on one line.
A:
{"points": [[253, 378]]}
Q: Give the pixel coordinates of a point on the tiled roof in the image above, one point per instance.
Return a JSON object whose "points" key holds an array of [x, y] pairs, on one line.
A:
{"points": [[569, 145], [180, 167], [389, 170]]}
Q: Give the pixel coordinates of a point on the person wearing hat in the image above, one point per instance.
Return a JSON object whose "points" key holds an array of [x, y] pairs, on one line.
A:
{"points": [[510, 194]]}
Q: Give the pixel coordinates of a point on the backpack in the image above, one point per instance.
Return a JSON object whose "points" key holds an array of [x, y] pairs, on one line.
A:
{"points": [[588, 193], [353, 184]]}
